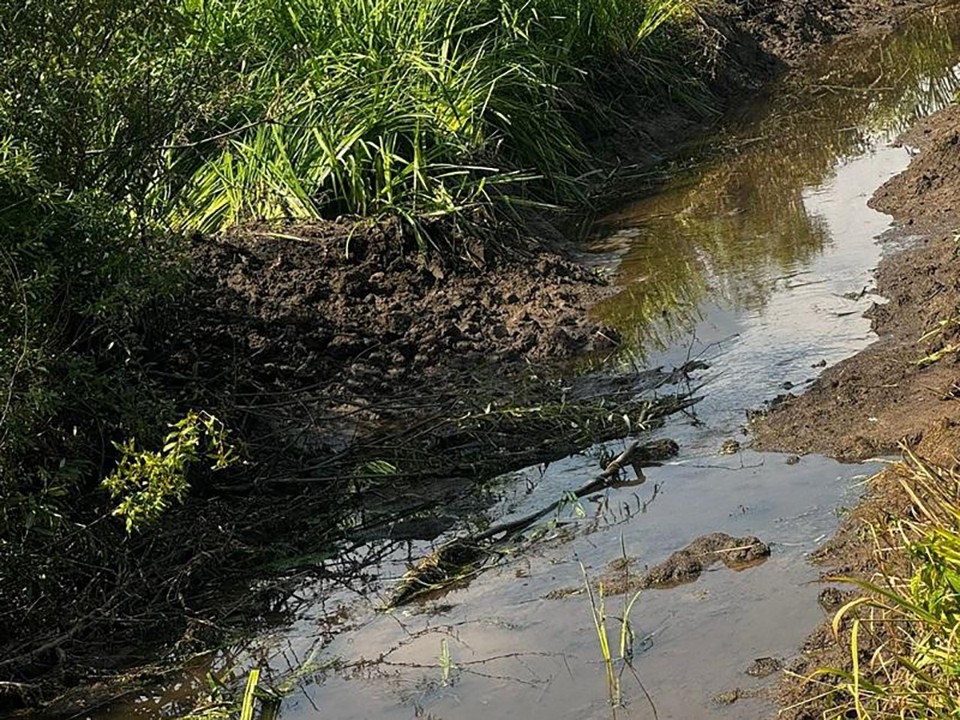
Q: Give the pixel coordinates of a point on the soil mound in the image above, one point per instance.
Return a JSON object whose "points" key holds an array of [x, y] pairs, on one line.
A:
{"points": [[788, 28], [362, 306], [686, 565], [928, 192]]}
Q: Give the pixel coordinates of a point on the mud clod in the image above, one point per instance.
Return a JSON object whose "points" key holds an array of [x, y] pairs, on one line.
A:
{"points": [[729, 447], [764, 667], [686, 565]]}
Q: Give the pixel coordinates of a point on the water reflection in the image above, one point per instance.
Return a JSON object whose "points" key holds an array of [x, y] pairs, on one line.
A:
{"points": [[723, 231]]}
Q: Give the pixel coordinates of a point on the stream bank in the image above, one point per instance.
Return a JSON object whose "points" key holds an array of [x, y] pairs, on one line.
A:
{"points": [[899, 394], [743, 263], [864, 406]]}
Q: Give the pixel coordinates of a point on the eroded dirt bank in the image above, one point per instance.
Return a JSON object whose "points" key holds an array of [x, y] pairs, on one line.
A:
{"points": [[900, 392]]}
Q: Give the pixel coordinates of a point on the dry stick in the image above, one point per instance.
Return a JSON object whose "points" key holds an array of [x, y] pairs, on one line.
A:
{"points": [[624, 459]]}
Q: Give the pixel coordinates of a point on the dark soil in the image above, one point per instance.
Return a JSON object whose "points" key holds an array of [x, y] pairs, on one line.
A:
{"points": [[764, 667], [787, 29], [363, 307]]}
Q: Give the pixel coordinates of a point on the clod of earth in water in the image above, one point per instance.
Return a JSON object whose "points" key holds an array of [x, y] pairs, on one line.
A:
{"points": [[729, 447], [729, 697], [686, 565], [764, 667]]}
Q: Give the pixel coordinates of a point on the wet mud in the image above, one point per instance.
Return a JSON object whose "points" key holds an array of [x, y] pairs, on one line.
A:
{"points": [[686, 565]]}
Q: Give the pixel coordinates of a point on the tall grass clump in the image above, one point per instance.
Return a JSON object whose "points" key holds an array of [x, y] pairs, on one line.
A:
{"points": [[420, 108], [903, 634]]}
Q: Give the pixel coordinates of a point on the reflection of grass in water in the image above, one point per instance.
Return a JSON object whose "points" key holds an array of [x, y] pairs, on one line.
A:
{"points": [[721, 230], [676, 282]]}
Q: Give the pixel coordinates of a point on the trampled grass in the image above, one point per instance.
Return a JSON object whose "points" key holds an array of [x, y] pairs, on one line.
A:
{"points": [[414, 107]]}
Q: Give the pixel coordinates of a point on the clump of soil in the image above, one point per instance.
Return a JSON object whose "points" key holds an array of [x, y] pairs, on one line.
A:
{"points": [[866, 405], [788, 28], [685, 565], [764, 667]]}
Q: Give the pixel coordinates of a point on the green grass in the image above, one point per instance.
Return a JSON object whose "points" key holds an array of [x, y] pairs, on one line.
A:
{"points": [[421, 108], [614, 667], [903, 633]]}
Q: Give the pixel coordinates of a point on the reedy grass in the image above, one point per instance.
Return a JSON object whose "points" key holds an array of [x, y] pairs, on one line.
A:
{"points": [[903, 634], [421, 108], [612, 673]]}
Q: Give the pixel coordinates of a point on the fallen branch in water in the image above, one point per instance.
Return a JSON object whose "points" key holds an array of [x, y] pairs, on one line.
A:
{"points": [[458, 558]]}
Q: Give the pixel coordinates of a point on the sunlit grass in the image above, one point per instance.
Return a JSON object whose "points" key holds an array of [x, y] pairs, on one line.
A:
{"points": [[903, 634], [414, 107], [621, 643]]}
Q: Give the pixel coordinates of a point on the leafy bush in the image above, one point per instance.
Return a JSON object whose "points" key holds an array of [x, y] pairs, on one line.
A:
{"points": [[73, 281], [148, 481]]}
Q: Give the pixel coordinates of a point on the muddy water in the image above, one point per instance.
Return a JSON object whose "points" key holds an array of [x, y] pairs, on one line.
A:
{"points": [[756, 257]]}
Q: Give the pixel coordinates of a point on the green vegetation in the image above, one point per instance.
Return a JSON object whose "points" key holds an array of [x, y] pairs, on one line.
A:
{"points": [[148, 482], [612, 674], [417, 107], [902, 633]]}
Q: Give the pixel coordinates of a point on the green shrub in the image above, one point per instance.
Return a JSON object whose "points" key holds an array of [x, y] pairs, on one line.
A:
{"points": [[73, 278], [149, 481]]}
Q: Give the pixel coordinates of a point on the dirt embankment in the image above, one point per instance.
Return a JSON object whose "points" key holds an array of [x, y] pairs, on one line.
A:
{"points": [[899, 390], [367, 313], [789, 28], [866, 405]]}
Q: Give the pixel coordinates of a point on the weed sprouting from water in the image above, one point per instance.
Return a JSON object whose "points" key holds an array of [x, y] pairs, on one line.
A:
{"points": [[446, 663], [244, 708], [614, 667]]}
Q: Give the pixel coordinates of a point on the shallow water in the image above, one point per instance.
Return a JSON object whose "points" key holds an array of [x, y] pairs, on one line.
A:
{"points": [[754, 257]]}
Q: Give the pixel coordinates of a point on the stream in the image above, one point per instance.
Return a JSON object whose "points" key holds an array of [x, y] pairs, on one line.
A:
{"points": [[754, 257]]}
